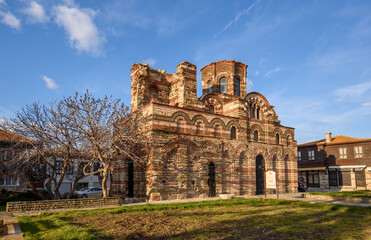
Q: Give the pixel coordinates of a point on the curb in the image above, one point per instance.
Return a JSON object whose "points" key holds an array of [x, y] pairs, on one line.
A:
{"points": [[11, 229]]}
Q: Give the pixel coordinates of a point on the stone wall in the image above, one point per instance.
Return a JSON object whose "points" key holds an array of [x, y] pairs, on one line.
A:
{"points": [[61, 204]]}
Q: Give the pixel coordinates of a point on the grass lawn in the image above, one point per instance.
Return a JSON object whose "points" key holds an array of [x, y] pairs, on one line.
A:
{"points": [[222, 219], [360, 193], [2, 208]]}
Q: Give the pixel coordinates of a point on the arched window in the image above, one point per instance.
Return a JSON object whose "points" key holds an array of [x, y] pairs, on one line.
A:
{"points": [[288, 140], [198, 127], [274, 162], [216, 130], [277, 139], [237, 87], [256, 136], [211, 109], [252, 111], [258, 113], [233, 133], [223, 85], [209, 87], [153, 92], [179, 124]]}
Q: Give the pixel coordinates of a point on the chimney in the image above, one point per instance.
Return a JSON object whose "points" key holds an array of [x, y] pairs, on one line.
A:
{"points": [[328, 137]]}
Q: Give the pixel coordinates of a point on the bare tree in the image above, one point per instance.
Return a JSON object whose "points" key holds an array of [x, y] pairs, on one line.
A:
{"points": [[109, 130], [54, 140]]}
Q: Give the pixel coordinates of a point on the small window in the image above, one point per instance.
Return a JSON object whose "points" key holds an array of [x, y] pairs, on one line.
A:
{"points": [[342, 153], [153, 92], [59, 167], [299, 156], [211, 109], [256, 136], [311, 155], [237, 87], [233, 133], [209, 87], [223, 85], [288, 140], [258, 113], [198, 127], [358, 153], [277, 139], [10, 181]]}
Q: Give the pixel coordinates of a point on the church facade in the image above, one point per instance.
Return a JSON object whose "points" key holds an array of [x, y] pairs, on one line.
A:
{"points": [[220, 143]]}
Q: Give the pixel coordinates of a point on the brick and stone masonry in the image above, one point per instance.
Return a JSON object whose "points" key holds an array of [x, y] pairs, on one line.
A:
{"points": [[220, 143]]}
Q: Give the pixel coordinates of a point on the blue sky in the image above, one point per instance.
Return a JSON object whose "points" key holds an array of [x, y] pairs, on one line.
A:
{"points": [[311, 59]]}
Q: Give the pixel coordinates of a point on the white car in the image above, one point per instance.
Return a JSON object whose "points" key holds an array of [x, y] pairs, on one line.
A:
{"points": [[90, 192]]}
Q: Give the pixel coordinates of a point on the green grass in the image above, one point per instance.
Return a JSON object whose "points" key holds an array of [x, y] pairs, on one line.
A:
{"points": [[236, 218], [2, 208], [359, 193]]}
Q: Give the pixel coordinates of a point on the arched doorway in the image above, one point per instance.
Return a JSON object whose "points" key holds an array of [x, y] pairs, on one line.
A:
{"points": [[211, 180], [130, 179], [260, 168]]}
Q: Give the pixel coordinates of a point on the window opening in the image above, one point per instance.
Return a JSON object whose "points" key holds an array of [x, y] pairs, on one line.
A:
{"points": [[343, 153], [237, 87], [256, 136], [209, 87], [233, 133], [277, 139], [223, 85]]}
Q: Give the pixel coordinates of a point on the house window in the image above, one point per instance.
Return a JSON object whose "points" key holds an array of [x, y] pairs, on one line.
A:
{"points": [[311, 155], [69, 169], [256, 136], [343, 153], [358, 153], [277, 139], [237, 87], [223, 85], [10, 181], [59, 167], [299, 156], [198, 127], [209, 87], [233, 133]]}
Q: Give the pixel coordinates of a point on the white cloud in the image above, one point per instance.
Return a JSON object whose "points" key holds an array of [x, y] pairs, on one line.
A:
{"points": [[237, 17], [36, 13], [269, 74], [80, 28], [353, 91], [150, 61], [9, 19], [367, 104], [2, 2], [50, 83]]}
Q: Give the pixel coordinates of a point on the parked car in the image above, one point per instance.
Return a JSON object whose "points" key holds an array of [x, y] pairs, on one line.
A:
{"points": [[301, 186], [90, 192]]}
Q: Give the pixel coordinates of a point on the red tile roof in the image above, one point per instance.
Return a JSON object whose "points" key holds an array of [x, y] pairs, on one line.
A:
{"points": [[339, 139]]}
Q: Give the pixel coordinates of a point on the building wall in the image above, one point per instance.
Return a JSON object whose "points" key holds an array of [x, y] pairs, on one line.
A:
{"points": [[353, 171], [188, 134]]}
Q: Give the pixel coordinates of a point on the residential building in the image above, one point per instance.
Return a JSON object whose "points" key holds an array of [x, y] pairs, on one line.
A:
{"points": [[338, 162]]}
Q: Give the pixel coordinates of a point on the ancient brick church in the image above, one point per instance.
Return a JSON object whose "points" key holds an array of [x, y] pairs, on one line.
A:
{"points": [[220, 143]]}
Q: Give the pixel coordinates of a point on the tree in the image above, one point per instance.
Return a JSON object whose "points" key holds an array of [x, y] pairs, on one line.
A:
{"points": [[108, 130], [54, 141]]}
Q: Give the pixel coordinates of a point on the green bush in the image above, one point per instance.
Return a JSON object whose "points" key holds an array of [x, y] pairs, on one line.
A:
{"points": [[9, 196]]}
